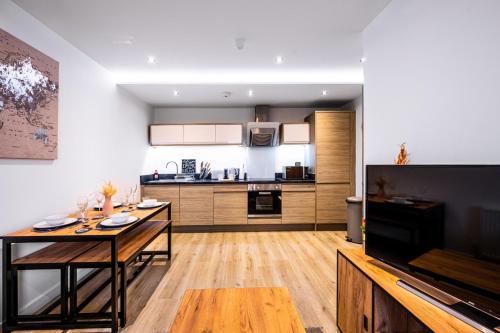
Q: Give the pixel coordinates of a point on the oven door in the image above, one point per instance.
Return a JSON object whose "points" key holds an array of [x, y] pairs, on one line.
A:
{"points": [[264, 203]]}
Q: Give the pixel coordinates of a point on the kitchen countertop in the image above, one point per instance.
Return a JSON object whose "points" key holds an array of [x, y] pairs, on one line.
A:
{"points": [[168, 179]]}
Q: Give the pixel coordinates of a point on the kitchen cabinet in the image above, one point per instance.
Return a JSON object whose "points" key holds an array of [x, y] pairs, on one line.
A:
{"points": [[333, 147], [229, 134], [166, 135], [199, 134], [354, 298], [196, 205], [330, 202], [295, 133], [332, 159], [230, 204], [168, 193], [298, 204]]}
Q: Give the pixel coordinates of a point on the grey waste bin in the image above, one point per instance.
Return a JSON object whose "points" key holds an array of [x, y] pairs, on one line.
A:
{"points": [[354, 217]]}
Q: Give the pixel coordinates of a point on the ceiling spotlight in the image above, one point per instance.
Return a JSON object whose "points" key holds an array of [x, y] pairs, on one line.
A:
{"points": [[151, 60], [279, 60], [362, 60], [176, 93], [250, 93], [324, 92]]}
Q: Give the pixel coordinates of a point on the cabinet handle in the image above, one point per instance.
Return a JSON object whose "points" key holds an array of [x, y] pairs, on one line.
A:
{"points": [[365, 323]]}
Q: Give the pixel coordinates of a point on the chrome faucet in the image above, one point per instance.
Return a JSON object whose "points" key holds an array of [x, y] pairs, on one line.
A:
{"points": [[176, 167]]}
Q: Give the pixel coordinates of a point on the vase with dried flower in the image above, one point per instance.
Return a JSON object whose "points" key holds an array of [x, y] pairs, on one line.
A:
{"points": [[108, 190], [403, 157], [363, 232]]}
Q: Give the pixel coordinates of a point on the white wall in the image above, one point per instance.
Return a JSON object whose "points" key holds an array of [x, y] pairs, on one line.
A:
{"points": [[432, 81], [203, 115], [102, 136]]}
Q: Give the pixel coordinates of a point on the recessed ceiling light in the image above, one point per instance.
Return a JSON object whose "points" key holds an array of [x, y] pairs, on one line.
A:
{"points": [[151, 60], [362, 60], [250, 93], [324, 92], [279, 60], [176, 93]]}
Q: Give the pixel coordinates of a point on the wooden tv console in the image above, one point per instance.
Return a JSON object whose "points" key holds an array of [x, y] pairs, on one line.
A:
{"points": [[369, 300]]}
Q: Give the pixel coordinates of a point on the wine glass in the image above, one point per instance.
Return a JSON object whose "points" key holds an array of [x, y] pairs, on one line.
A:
{"points": [[134, 194], [99, 198], [82, 204]]}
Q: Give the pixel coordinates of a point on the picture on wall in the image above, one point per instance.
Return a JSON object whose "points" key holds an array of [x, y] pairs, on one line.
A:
{"points": [[29, 86]]}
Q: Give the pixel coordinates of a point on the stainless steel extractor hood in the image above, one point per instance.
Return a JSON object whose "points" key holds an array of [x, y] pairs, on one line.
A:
{"points": [[262, 133]]}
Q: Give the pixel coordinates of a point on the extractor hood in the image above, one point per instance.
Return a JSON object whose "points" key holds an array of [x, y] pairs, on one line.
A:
{"points": [[262, 133]]}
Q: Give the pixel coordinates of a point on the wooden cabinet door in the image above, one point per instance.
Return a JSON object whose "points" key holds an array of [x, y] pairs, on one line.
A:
{"points": [[166, 135], [199, 134], [298, 207], [164, 193], [330, 202], [334, 153], [230, 207], [229, 134], [197, 205], [354, 298]]}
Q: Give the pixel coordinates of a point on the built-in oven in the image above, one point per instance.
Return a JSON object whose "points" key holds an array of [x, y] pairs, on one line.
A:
{"points": [[264, 200]]}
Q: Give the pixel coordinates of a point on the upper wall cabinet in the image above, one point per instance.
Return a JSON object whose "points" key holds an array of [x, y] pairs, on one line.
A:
{"points": [[229, 134], [294, 133], [199, 134], [193, 134], [166, 135]]}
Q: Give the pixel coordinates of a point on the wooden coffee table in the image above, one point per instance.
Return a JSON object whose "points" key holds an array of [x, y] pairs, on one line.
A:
{"points": [[234, 310]]}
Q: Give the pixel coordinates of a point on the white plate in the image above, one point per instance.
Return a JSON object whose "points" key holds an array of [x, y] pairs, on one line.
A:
{"points": [[109, 222], [45, 225], [143, 206], [115, 204]]}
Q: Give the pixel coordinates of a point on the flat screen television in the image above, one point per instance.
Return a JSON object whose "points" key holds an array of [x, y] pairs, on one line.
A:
{"points": [[440, 224]]}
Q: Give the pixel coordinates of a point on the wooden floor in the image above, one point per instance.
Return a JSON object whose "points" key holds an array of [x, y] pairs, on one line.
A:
{"points": [[304, 262]]}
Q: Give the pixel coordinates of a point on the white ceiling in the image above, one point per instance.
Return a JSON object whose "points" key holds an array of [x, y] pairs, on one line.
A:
{"points": [[194, 41], [211, 95]]}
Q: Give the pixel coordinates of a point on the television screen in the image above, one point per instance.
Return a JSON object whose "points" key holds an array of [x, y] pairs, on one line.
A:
{"points": [[440, 224]]}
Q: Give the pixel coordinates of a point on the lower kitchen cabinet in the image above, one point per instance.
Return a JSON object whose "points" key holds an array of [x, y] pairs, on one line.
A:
{"points": [[331, 206], [298, 204], [168, 193], [354, 299], [230, 204], [196, 205]]}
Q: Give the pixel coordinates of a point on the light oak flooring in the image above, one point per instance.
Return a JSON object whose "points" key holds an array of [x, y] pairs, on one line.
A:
{"points": [[304, 262]]}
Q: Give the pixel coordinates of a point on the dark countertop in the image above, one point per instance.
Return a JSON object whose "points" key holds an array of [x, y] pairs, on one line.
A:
{"points": [[168, 179]]}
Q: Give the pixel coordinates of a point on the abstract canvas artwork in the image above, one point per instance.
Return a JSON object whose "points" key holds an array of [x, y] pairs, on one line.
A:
{"points": [[29, 86]]}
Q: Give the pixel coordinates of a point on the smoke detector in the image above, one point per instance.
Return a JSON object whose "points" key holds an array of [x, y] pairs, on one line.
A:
{"points": [[226, 94]]}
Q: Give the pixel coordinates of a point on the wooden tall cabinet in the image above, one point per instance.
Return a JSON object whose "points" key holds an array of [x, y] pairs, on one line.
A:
{"points": [[332, 160]]}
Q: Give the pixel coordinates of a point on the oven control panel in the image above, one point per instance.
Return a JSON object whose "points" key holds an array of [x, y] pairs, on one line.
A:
{"points": [[264, 187]]}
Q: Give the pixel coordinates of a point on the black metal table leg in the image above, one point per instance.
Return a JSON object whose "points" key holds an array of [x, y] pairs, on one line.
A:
{"points": [[64, 292], [123, 295], [114, 285], [73, 288], [169, 237], [7, 285]]}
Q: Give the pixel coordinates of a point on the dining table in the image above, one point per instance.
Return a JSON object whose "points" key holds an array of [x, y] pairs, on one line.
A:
{"points": [[93, 232]]}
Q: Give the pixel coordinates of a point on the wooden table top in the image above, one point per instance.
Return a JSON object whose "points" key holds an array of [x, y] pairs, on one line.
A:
{"points": [[69, 232], [234, 310]]}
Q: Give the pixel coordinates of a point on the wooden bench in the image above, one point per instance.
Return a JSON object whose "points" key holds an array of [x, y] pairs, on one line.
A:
{"points": [[55, 256], [131, 246]]}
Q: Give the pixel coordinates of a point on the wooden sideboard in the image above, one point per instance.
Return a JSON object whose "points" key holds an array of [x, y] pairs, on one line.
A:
{"points": [[369, 300]]}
